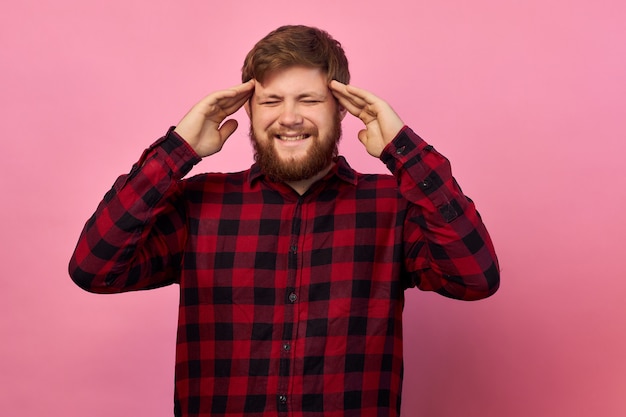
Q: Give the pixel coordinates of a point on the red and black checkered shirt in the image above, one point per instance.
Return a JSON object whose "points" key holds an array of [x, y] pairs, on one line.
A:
{"points": [[289, 305]]}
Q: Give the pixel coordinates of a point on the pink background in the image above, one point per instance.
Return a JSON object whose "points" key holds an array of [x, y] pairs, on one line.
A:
{"points": [[527, 98]]}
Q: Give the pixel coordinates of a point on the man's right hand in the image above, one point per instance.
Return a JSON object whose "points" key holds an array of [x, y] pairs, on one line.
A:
{"points": [[201, 126]]}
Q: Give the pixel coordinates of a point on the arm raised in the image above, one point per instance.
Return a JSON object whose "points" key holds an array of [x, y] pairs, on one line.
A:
{"points": [[204, 128], [382, 124]]}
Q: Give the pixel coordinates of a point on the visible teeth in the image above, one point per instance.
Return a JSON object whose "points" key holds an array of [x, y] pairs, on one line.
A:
{"points": [[292, 138]]}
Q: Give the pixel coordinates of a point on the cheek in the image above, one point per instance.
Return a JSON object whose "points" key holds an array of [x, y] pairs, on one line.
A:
{"points": [[262, 117], [325, 120], [318, 115]]}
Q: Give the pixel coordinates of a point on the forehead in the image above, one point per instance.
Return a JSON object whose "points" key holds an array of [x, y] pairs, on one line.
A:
{"points": [[293, 81]]}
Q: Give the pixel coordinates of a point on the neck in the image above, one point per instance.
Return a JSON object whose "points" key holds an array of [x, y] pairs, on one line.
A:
{"points": [[303, 186]]}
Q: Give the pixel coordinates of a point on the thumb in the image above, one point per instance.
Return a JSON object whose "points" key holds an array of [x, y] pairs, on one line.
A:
{"points": [[362, 135], [227, 129]]}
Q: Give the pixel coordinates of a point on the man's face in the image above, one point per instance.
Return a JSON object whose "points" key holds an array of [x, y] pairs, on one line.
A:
{"points": [[295, 124]]}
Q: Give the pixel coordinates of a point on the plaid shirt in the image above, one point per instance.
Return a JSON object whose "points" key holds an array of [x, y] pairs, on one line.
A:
{"points": [[289, 305]]}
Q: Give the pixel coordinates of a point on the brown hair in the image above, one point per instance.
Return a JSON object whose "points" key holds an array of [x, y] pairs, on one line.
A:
{"points": [[296, 45]]}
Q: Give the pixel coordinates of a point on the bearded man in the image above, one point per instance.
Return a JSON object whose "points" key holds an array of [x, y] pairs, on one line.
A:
{"points": [[292, 273]]}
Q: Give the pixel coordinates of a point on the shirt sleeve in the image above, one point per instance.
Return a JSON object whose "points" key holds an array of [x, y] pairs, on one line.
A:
{"points": [[447, 247], [135, 238]]}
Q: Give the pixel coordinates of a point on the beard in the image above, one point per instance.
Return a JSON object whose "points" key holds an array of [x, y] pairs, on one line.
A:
{"points": [[319, 156]]}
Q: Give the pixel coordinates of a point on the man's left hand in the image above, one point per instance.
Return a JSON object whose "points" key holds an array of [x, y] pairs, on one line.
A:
{"points": [[382, 124]]}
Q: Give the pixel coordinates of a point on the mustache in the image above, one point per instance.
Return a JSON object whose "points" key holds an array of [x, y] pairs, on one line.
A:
{"points": [[273, 132]]}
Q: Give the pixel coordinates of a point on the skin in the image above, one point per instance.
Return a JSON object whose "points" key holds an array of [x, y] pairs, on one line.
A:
{"points": [[298, 104], [291, 110], [382, 124]]}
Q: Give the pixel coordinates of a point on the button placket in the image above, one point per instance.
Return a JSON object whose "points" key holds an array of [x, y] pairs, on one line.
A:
{"points": [[282, 403]]}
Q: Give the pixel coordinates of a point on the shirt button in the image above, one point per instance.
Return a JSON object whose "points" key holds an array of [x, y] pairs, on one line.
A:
{"points": [[293, 297], [400, 150], [425, 185], [282, 399], [286, 347], [294, 249]]}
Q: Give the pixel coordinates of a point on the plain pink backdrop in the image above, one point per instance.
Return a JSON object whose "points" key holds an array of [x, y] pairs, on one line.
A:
{"points": [[527, 98]]}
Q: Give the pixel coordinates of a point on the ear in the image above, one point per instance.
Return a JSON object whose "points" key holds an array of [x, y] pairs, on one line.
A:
{"points": [[246, 106], [342, 112]]}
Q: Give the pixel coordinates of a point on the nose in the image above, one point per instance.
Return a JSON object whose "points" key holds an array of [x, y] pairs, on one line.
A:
{"points": [[290, 115]]}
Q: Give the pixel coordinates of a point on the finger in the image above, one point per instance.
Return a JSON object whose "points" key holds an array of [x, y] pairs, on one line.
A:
{"points": [[244, 90], [350, 106], [355, 105], [357, 95], [236, 93], [348, 102], [229, 101], [340, 91], [359, 109], [361, 94], [230, 106]]}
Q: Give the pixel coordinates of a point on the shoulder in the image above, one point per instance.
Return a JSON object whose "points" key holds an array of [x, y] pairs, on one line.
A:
{"points": [[372, 184], [214, 183], [377, 186]]}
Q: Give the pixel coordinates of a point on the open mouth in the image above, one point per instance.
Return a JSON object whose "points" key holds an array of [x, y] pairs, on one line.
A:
{"points": [[292, 138]]}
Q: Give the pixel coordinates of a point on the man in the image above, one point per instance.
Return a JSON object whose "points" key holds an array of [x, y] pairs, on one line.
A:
{"points": [[291, 273]]}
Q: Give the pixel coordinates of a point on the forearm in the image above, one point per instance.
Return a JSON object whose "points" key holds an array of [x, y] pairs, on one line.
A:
{"points": [[447, 246], [135, 237]]}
